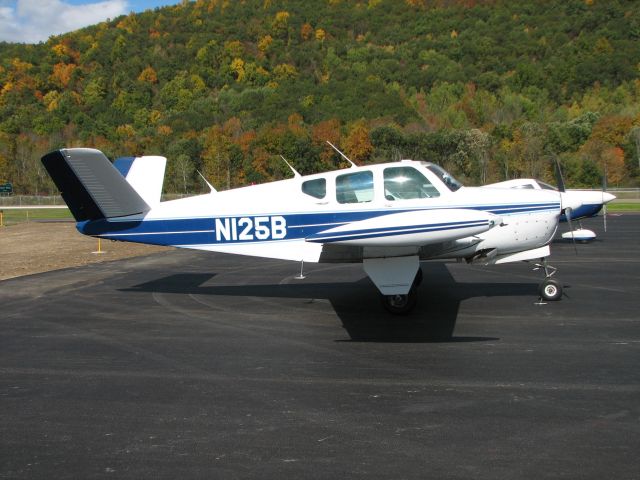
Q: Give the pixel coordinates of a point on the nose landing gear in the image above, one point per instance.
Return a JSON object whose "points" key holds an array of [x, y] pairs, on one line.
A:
{"points": [[550, 289]]}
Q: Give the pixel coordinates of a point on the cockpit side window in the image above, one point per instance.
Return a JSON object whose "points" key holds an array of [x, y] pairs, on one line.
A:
{"points": [[407, 183], [526, 186], [316, 188], [354, 187]]}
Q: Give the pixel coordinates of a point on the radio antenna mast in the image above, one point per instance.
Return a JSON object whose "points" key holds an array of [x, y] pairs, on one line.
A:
{"points": [[353, 165], [295, 172]]}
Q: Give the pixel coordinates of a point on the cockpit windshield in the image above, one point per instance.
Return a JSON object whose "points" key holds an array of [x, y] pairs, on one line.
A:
{"points": [[448, 179], [546, 186]]}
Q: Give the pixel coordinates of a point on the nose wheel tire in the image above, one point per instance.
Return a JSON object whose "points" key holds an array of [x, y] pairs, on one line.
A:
{"points": [[550, 290]]}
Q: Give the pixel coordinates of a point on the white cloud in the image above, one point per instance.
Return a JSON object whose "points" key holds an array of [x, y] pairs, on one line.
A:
{"points": [[33, 21]]}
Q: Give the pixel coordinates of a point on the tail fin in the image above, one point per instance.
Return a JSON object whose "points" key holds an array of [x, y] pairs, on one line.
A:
{"points": [[91, 186], [144, 174]]}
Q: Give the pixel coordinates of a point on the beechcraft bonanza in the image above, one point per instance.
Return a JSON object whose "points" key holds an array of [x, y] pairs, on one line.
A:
{"points": [[389, 217], [590, 204]]}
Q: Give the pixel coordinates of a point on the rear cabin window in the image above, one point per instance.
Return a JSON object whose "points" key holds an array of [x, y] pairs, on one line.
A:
{"points": [[407, 183], [354, 187], [316, 188]]}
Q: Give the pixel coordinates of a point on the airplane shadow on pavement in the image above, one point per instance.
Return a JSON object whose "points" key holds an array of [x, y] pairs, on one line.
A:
{"points": [[358, 305]]}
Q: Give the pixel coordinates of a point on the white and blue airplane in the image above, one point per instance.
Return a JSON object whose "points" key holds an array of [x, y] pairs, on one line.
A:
{"points": [[389, 217], [590, 203]]}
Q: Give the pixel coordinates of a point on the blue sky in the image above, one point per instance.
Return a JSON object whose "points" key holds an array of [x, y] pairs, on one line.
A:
{"points": [[33, 21]]}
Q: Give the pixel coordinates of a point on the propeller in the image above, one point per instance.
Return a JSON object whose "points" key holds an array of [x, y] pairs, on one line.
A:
{"points": [[559, 179], [567, 210], [567, 213], [604, 204]]}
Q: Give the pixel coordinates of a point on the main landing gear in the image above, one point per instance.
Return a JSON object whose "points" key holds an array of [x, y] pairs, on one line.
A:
{"points": [[550, 289], [403, 304]]}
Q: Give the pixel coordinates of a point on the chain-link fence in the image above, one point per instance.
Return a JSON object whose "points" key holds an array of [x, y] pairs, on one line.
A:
{"points": [[56, 200]]}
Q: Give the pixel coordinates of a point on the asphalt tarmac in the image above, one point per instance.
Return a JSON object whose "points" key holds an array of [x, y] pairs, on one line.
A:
{"points": [[197, 365]]}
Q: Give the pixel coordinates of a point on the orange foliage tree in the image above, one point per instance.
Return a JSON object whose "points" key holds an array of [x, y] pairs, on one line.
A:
{"points": [[323, 131], [62, 72], [358, 144], [148, 75]]}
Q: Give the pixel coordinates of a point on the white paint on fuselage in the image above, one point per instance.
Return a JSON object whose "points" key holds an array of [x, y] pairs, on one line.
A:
{"points": [[519, 231]]}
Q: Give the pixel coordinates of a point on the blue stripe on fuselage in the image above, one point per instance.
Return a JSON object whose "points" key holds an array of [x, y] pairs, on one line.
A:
{"points": [[201, 231]]}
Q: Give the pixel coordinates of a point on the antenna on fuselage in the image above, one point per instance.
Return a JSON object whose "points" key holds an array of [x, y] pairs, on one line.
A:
{"points": [[295, 172], [353, 165], [213, 190]]}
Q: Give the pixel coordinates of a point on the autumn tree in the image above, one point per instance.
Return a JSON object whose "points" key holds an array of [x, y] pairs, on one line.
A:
{"points": [[472, 156], [280, 24], [306, 31], [327, 130], [148, 75], [216, 157], [357, 144]]}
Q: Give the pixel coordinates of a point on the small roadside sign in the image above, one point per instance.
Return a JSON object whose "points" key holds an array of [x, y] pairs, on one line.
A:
{"points": [[6, 189]]}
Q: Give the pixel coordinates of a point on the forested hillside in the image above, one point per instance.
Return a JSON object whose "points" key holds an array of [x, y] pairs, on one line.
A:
{"points": [[489, 89]]}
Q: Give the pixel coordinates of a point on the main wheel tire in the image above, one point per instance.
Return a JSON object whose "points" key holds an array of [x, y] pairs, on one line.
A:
{"points": [[400, 304], [550, 290]]}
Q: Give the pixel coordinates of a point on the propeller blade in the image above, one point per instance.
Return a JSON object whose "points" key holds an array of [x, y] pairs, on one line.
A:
{"points": [[604, 205], [567, 213], [559, 178]]}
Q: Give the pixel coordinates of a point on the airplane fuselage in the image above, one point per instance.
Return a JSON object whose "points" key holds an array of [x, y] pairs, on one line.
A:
{"points": [[281, 220]]}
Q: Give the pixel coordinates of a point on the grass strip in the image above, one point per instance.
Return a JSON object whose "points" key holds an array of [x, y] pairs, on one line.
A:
{"points": [[14, 216]]}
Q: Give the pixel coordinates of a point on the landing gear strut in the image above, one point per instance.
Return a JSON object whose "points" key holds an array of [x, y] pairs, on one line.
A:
{"points": [[550, 289], [403, 304]]}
